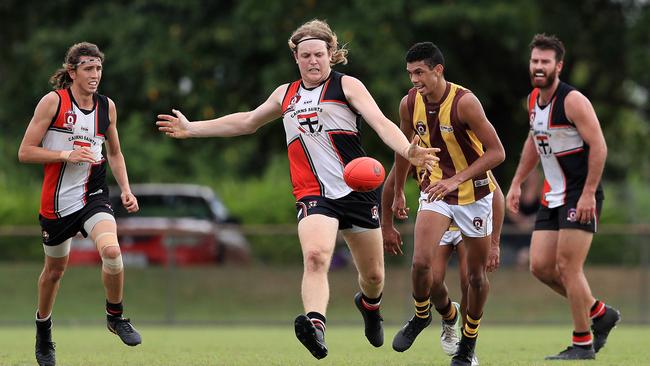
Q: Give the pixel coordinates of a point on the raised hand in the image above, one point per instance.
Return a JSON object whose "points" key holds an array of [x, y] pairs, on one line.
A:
{"points": [[422, 157], [176, 126]]}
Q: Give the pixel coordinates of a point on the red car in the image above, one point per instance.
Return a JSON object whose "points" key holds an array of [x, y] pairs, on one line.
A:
{"points": [[182, 224]]}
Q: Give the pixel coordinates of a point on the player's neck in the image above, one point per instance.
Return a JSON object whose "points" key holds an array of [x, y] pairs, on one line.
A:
{"points": [[438, 91], [84, 99], [545, 94]]}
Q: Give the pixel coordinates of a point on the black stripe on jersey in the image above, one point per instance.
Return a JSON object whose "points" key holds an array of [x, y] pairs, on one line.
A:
{"points": [[347, 144], [311, 165], [333, 91], [58, 187], [102, 117], [56, 114], [557, 117]]}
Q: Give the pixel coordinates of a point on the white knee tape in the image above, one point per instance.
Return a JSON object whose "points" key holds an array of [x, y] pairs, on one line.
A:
{"points": [[112, 266]]}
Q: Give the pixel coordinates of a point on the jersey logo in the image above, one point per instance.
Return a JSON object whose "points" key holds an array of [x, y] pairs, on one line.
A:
{"points": [[543, 147], [572, 215], [478, 223], [374, 212], [420, 128], [446, 129], [310, 121], [532, 117], [292, 102], [69, 119]]}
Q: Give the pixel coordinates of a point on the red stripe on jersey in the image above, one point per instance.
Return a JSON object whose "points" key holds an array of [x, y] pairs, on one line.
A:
{"points": [[532, 99], [65, 105], [305, 182], [291, 93], [48, 193], [545, 190], [569, 152]]}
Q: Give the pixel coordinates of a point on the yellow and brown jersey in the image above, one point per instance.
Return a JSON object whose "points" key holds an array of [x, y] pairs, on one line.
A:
{"points": [[438, 125]]}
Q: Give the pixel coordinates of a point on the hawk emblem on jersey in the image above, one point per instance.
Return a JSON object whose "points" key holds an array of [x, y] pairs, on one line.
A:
{"points": [[420, 128], [374, 212], [309, 121], [478, 223], [69, 119]]}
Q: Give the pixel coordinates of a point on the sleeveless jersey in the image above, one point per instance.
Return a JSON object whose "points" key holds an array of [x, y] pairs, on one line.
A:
{"points": [[562, 151], [68, 186], [438, 125], [322, 131]]}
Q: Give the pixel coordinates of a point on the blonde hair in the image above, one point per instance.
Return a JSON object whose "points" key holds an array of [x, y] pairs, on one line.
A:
{"points": [[319, 29], [61, 79]]}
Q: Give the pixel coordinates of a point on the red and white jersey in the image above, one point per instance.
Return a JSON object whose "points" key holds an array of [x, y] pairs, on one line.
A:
{"points": [[562, 151], [68, 186], [322, 133]]}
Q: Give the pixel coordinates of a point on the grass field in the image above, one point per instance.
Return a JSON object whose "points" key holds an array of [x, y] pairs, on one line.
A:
{"points": [[247, 345], [231, 295]]}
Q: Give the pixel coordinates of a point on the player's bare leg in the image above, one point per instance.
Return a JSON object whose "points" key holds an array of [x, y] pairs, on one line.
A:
{"points": [[572, 249], [105, 238], [48, 286], [448, 310], [430, 226], [543, 259], [479, 287], [367, 252], [317, 235]]}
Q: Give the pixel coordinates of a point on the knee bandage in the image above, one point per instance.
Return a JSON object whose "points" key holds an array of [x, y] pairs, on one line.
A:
{"points": [[111, 266]]}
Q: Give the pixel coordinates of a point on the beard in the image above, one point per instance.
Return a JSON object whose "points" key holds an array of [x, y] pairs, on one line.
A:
{"points": [[546, 82]]}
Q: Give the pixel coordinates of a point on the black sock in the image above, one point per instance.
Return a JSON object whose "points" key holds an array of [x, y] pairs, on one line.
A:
{"points": [[317, 319], [114, 309], [43, 325]]}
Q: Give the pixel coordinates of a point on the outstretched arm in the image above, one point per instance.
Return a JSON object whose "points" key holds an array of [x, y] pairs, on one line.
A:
{"points": [[235, 124]]}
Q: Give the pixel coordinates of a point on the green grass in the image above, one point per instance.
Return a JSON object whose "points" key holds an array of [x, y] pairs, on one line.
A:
{"points": [[247, 345], [223, 295]]}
